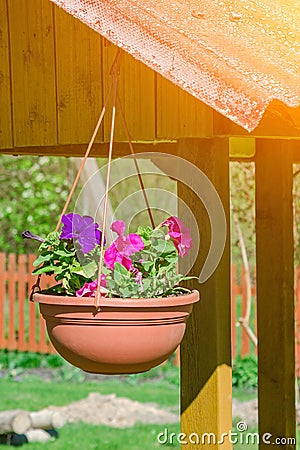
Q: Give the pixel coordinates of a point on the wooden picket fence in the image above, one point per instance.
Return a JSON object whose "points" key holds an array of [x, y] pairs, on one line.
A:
{"points": [[22, 327]]}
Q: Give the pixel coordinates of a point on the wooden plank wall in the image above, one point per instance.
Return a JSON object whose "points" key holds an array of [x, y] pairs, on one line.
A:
{"points": [[78, 53], [5, 90], [32, 74], [54, 74], [136, 88], [179, 114]]}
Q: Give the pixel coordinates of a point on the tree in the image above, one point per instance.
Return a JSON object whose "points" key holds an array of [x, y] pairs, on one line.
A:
{"points": [[33, 191]]}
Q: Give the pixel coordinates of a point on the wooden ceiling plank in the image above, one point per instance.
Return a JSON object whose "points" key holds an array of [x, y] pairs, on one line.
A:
{"points": [[79, 79], [179, 114], [5, 89], [32, 72]]}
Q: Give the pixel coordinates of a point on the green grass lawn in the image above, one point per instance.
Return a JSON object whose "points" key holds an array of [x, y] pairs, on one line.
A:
{"points": [[33, 393], [81, 436]]}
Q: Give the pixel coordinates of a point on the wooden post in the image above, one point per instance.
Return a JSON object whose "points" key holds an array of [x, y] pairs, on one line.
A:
{"points": [[206, 392], [32, 341], [297, 324], [12, 343], [22, 298], [275, 297], [245, 345], [233, 309], [3, 278]]}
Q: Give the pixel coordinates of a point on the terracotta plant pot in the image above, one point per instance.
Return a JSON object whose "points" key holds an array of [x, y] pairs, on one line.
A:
{"points": [[125, 336]]}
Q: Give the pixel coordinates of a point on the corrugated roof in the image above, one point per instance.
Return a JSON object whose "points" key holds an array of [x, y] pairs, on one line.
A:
{"points": [[235, 56]]}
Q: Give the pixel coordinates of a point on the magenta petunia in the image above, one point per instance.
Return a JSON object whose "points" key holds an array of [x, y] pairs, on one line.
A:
{"points": [[81, 228], [123, 247], [179, 234], [113, 255], [89, 289]]}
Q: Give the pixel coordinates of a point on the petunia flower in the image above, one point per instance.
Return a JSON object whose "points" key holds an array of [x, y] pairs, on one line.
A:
{"points": [[89, 289], [28, 235], [123, 247], [81, 228], [179, 234], [138, 276], [112, 255]]}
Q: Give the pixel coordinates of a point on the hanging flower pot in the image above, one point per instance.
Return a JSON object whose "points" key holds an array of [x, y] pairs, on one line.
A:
{"points": [[139, 317], [125, 336], [119, 308]]}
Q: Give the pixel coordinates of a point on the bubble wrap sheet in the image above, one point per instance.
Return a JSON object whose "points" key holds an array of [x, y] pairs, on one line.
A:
{"points": [[235, 56]]}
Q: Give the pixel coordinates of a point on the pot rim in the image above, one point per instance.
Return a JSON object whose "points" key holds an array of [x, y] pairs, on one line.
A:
{"points": [[184, 299]]}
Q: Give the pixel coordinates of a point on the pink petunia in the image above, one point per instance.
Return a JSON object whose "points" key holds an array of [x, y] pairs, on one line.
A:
{"points": [[89, 289], [123, 247], [138, 276], [179, 234], [112, 255]]}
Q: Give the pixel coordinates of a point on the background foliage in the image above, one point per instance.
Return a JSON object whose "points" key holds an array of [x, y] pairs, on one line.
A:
{"points": [[34, 189], [33, 192]]}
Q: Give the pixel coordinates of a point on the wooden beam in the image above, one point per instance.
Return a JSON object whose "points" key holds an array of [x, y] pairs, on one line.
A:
{"points": [[275, 296], [99, 150], [206, 391]]}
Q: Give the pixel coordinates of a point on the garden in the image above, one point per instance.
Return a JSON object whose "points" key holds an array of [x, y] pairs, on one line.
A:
{"points": [[140, 406], [27, 378]]}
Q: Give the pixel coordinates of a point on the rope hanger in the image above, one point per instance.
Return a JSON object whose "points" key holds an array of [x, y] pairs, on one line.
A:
{"points": [[113, 88]]}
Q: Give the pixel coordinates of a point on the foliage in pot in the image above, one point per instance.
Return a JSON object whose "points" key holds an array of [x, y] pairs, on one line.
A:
{"points": [[143, 308]]}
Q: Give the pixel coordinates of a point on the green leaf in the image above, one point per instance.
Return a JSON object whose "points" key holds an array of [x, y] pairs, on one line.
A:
{"points": [[42, 258], [65, 253], [121, 269], [119, 278], [44, 269], [90, 269], [147, 282], [147, 265], [158, 234], [160, 246]]}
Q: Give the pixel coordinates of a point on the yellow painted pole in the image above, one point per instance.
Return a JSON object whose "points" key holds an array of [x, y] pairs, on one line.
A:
{"points": [[275, 296], [206, 392]]}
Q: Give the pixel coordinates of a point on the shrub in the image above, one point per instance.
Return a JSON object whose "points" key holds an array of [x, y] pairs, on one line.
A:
{"points": [[244, 372]]}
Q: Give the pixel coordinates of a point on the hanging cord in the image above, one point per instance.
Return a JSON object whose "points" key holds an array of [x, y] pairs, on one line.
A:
{"points": [[111, 140], [135, 160], [36, 287], [113, 69]]}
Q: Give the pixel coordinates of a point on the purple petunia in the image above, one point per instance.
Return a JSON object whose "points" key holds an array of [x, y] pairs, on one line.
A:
{"points": [[123, 247], [81, 228], [28, 235]]}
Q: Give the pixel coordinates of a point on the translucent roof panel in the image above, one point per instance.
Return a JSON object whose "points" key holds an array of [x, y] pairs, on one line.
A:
{"points": [[235, 56]]}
